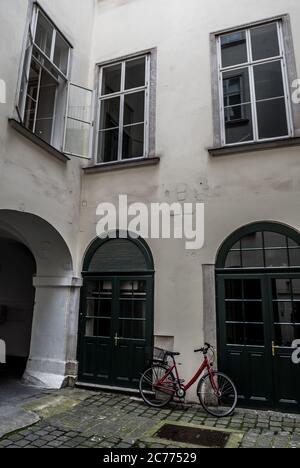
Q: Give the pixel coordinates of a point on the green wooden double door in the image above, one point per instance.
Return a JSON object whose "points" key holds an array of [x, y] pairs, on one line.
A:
{"points": [[115, 329], [258, 320]]}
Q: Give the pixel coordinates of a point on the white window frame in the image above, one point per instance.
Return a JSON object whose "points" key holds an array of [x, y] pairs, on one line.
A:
{"points": [[37, 10], [250, 65], [122, 93]]}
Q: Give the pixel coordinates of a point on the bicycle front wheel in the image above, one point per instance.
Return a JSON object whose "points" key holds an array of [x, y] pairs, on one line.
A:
{"points": [[217, 394], [154, 392]]}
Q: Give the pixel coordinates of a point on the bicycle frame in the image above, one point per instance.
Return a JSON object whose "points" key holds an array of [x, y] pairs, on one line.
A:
{"points": [[186, 387]]}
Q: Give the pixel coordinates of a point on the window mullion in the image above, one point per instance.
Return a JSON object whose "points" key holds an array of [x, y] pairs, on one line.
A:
{"points": [[252, 85], [285, 81], [221, 93], [37, 99], [122, 101], [53, 45]]}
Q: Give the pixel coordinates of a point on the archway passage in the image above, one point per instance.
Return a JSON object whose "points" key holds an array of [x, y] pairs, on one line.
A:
{"points": [[258, 292], [116, 317], [17, 268]]}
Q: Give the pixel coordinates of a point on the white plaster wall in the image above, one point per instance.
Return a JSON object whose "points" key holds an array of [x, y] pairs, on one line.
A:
{"points": [[32, 180], [236, 189]]}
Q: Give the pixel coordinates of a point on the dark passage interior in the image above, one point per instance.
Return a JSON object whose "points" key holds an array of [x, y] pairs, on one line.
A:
{"points": [[17, 268]]}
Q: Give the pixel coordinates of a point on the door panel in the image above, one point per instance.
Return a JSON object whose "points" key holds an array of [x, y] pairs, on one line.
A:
{"points": [[285, 326], [244, 337], [259, 318], [116, 327]]}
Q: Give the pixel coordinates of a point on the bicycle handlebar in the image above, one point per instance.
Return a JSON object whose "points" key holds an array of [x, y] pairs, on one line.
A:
{"points": [[203, 350]]}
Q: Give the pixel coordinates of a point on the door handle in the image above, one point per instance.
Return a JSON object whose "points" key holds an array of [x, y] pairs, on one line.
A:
{"points": [[116, 339], [274, 348]]}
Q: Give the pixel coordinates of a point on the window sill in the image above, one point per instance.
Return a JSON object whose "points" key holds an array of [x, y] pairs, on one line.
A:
{"points": [[246, 148], [120, 165], [37, 140]]}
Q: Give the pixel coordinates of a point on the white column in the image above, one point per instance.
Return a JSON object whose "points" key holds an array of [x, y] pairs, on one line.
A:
{"points": [[52, 362]]}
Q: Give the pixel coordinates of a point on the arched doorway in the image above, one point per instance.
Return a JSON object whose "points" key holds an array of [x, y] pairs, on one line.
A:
{"points": [[116, 315], [16, 304], [258, 295], [49, 337]]}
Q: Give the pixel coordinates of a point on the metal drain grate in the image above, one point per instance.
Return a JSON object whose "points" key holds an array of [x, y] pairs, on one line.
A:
{"points": [[193, 436]]}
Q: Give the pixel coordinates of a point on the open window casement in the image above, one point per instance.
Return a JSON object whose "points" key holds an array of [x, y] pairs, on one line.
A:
{"points": [[25, 78], [79, 122]]}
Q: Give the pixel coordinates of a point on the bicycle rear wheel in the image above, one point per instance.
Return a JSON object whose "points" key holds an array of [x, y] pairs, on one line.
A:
{"points": [[220, 399], [155, 395]]}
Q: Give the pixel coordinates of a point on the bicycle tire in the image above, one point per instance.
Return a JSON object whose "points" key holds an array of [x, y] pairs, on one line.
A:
{"points": [[217, 405], [146, 387]]}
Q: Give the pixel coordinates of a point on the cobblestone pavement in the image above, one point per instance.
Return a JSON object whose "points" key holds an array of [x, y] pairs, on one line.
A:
{"points": [[113, 420]]}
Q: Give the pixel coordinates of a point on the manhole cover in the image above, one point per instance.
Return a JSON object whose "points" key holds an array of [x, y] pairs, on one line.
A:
{"points": [[194, 436]]}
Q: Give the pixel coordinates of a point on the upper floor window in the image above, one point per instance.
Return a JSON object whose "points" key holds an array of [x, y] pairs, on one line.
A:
{"points": [[44, 80], [253, 85], [123, 110]]}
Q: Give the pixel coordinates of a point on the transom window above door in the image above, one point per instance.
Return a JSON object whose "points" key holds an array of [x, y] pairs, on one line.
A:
{"points": [[253, 81], [263, 249], [123, 110]]}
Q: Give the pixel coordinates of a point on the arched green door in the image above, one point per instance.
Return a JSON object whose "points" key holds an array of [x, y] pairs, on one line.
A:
{"points": [[258, 295], [116, 315]]}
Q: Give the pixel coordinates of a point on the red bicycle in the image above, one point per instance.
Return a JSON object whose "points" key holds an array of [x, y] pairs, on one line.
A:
{"points": [[159, 385]]}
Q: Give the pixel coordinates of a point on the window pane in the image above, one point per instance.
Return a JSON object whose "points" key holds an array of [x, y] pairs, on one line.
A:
{"points": [[134, 108], [134, 329], [133, 142], [238, 124], [46, 106], [276, 258], [265, 41], [253, 258], [253, 312], [233, 260], [273, 239], [234, 49], [135, 73], [296, 289], [108, 146], [235, 334], [252, 241], [252, 289], [233, 289], [133, 309], [294, 257], [236, 87], [284, 335], [281, 289], [44, 34], [234, 311], [32, 89], [80, 103], [268, 81], [283, 312], [255, 335], [111, 81], [61, 54], [272, 120], [296, 307], [110, 113], [77, 138], [98, 327]]}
